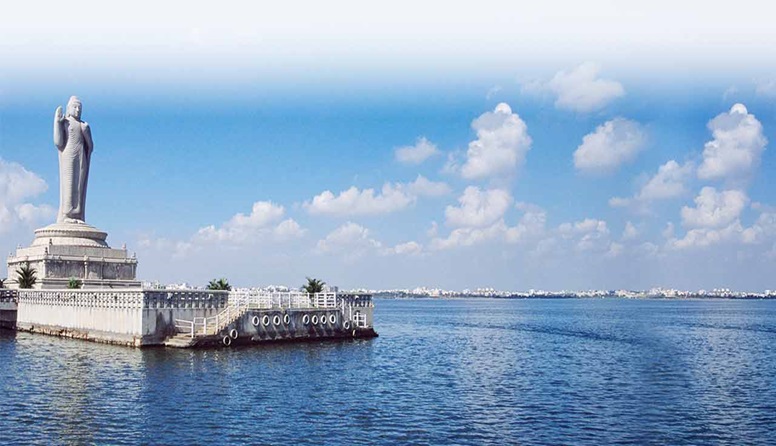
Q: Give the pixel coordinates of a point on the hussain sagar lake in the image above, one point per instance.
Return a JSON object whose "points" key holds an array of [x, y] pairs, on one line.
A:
{"points": [[112, 307], [444, 371]]}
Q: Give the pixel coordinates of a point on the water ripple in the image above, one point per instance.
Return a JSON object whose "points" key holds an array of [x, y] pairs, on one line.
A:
{"points": [[442, 372]]}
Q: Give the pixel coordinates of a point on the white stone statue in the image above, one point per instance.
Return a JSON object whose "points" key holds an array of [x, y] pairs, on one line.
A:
{"points": [[73, 139]]}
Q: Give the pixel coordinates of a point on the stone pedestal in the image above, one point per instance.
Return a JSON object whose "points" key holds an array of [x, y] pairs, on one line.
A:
{"points": [[64, 251]]}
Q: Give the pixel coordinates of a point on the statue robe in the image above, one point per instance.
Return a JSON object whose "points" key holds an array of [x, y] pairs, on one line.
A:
{"points": [[74, 160]]}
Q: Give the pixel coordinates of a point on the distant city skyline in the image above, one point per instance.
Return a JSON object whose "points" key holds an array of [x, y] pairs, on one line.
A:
{"points": [[584, 150]]}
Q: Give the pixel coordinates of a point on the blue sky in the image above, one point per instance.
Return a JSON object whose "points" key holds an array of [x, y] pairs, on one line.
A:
{"points": [[247, 147]]}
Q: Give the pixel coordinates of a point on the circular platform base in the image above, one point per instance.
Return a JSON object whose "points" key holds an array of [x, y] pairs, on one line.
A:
{"points": [[70, 234]]}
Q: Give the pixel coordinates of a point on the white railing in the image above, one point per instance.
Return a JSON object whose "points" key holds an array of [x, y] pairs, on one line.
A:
{"points": [[185, 326], [241, 301], [359, 319]]}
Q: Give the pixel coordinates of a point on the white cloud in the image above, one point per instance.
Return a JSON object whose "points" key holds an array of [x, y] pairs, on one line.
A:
{"points": [[421, 151], [532, 224], [258, 225], [360, 202], [714, 209], [581, 90], [288, 229], [409, 249], [589, 234], [493, 91], [32, 214], [713, 220], [392, 198], [584, 236], [350, 240], [707, 236], [763, 229], [17, 185], [469, 236], [423, 187], [668, 182], [478, 208], [612, 144], [737, 147], [630, 232], [501, 145]]}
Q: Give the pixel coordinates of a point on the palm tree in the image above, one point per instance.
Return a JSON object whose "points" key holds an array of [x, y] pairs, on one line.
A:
{"points": [[73, 283], [219, 285], [313, 286], [26, 276]]}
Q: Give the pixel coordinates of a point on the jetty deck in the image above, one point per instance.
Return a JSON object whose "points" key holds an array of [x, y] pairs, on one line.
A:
{"points": [[187, 318]]}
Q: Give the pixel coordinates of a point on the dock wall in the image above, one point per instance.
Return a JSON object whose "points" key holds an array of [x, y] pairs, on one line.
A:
{"points": [[126, 317], [8, 309], [139, 317]]}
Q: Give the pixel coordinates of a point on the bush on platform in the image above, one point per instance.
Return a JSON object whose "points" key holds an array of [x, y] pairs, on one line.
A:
{"points": [[74, 284], [219, 285], [26, 276], [313, 286]]}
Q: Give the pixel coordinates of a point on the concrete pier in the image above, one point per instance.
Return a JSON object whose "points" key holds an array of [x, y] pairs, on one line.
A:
{"points": [[186, 318]]}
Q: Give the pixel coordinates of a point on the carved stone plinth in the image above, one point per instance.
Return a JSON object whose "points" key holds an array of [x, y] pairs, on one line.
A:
{"points": [[65, 251]]}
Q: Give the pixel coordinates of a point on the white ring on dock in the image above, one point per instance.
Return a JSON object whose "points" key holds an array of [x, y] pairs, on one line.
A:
{"points": [[227, 341], [233, 333], [315, 319], [332, 319], [255, 321], [286, 319], [306, 319], [265, 320], [346, 325], [276, 320]]}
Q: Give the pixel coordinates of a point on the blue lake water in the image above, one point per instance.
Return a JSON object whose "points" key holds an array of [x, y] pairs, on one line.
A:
{"points": [[469, 371]]}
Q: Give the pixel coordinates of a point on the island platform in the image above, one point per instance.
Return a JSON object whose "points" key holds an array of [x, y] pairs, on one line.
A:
{"points": [[187, 318]]}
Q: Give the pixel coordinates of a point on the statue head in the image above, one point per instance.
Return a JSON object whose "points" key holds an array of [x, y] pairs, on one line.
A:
{"points": [[74, 107]]}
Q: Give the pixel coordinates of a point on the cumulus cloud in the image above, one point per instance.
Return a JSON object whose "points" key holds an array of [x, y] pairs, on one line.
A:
{"points": [[530, 227], [763, 229], [714, 219], [409, 249], [421, 151], [423, 187], [260, 224], [360, 202], [17, 186], [469, 236], [737, 147], [630, 232], [612, 144], [589, 234], [392, 198], [703, 237], [351, 240], [668, 182], [478, 208], [584, 236], [581, 89], [714, 209], [501, 145]]}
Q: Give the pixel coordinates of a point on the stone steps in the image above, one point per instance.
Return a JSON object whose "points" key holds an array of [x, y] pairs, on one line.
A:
{"points": [[181, 340]]}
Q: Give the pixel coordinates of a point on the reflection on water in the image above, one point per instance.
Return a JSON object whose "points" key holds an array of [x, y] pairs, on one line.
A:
{"points": [[442, 372]]}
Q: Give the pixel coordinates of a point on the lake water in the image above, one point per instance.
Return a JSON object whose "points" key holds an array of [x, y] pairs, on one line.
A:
{"points": [[470, 371]]}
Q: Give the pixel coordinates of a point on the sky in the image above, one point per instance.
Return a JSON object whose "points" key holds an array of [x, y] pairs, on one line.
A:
{"points": [[404, 144]]}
